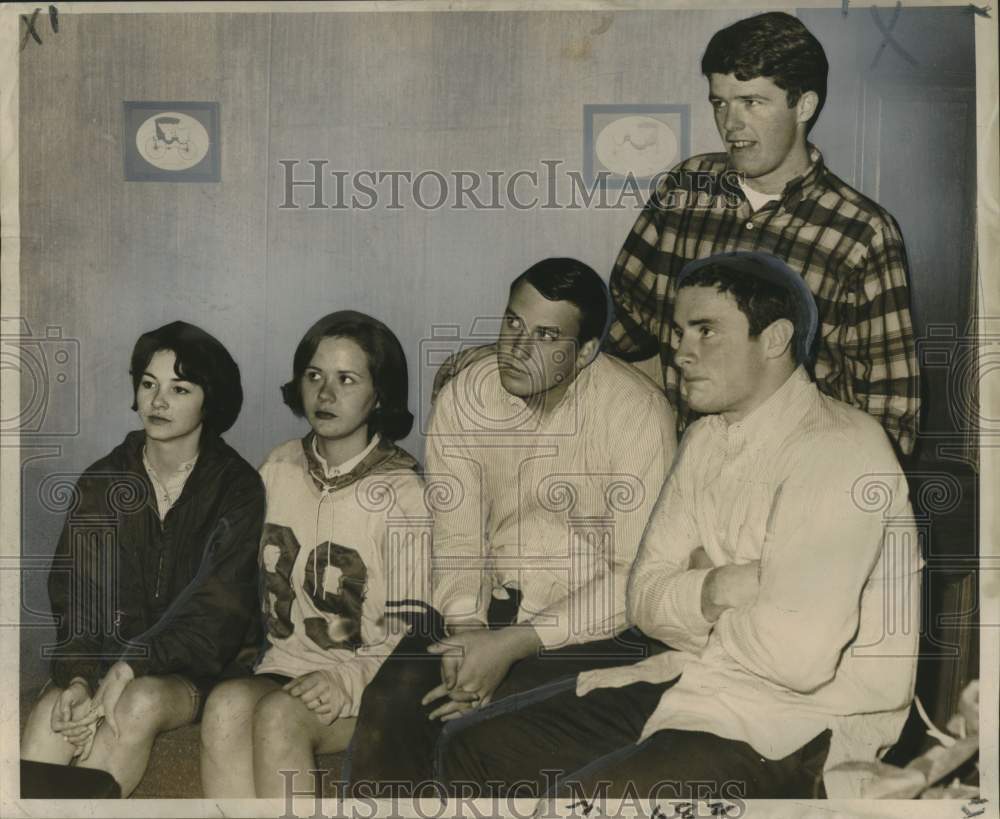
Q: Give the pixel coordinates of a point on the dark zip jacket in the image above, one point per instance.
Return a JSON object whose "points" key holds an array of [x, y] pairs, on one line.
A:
{"points": [[177, 596]]}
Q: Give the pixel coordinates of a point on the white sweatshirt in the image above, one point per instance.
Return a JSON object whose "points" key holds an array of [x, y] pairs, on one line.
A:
{"points": [[340, 550]]}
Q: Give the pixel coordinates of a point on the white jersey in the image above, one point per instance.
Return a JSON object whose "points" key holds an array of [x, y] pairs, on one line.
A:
{"points": [[337, 555]]}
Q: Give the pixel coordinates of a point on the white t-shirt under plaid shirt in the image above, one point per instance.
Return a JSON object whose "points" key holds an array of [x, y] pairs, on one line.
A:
{"points": [[848, 249]]}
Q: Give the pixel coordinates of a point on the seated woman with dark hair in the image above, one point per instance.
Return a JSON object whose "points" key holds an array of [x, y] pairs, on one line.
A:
{"points": [[344, 559], [151, 618]]}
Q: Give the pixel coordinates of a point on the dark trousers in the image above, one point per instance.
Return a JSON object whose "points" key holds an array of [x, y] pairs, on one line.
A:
{"points": [[558, 744], [393, 748], [43, 780]]}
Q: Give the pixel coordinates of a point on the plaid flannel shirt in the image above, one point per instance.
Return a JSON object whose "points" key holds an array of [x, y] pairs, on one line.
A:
{"points": [[848, 249]]}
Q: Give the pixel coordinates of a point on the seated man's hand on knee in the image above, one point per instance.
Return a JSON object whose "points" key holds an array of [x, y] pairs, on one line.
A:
{"points": [[475, 663], [458, 702]]}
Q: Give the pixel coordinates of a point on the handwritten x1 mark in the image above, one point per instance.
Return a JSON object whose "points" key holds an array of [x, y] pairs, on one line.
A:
{"points": [[29, 25], [887, 34]]}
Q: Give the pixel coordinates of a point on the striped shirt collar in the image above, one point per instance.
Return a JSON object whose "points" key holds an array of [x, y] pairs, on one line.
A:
{"points": [[568, 403]]}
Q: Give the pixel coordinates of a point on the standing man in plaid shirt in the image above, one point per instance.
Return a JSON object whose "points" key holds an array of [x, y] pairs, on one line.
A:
{"points": [[770, 191]]}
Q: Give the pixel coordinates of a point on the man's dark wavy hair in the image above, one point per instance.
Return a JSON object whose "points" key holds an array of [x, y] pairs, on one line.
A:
{"points": [[774, 45], [560, 279], [199, 358], [386, 363], [762, 302]]}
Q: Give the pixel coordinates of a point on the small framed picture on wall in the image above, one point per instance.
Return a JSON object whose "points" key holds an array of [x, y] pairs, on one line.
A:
{"points": [[172, 141], [627, 144]]}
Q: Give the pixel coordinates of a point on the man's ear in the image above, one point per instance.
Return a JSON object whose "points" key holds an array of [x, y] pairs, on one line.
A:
{"points": [[586, 352], [806, 106], [777, 337]]}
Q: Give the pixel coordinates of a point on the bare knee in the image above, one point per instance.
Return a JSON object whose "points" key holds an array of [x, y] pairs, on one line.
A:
{"points": [[278, 718], [230, 706], [142, 708], [231, 700], [38, 733], [42, 709]]}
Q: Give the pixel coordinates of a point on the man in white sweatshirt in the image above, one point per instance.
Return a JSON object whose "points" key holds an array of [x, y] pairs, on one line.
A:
{"points": [[544, 462], [781, 563]]}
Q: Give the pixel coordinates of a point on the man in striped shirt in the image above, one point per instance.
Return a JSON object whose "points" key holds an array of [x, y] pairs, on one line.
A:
{"points": [[770, 191], [544, 461]]}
